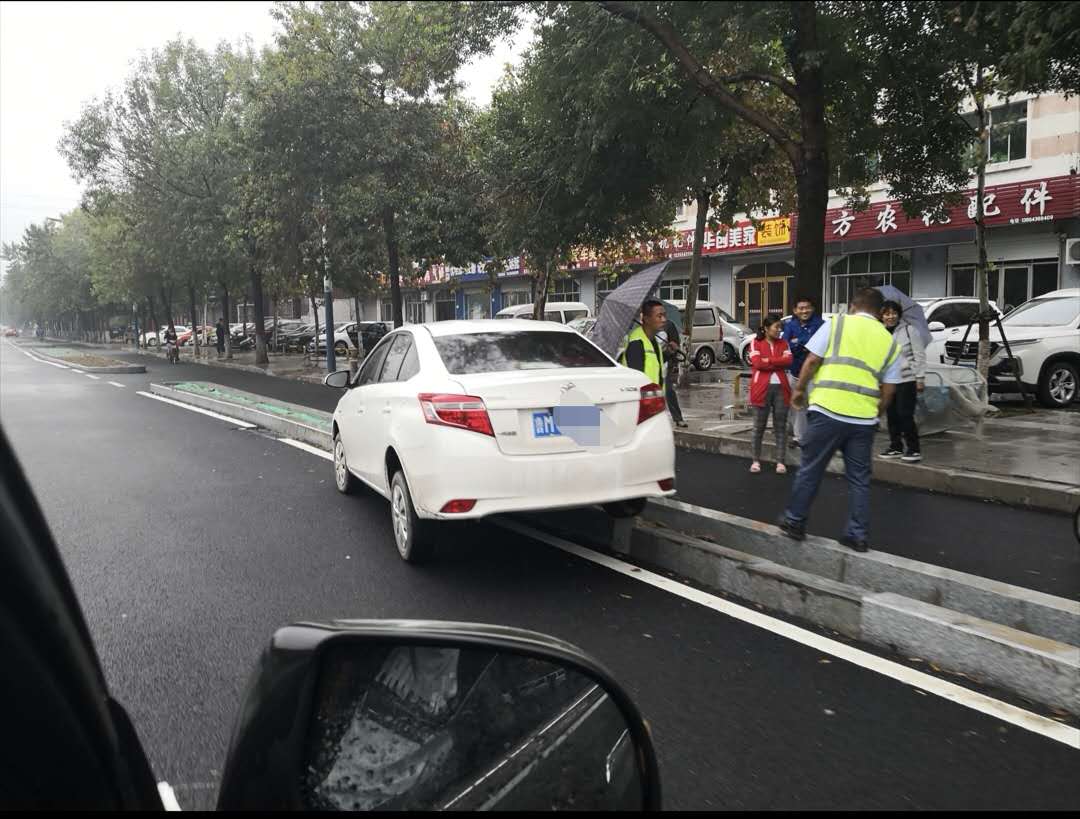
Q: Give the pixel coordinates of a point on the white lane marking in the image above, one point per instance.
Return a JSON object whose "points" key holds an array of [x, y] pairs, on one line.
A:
{"points": [[1035, 723], [115, 384], [965, 697], [168, 796], [80, 372], [200, 410], [53, 364], [314, 450], [95, 377]]}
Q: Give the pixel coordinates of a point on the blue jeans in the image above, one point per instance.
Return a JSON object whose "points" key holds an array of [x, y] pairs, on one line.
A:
{"points": [[824, 437]]}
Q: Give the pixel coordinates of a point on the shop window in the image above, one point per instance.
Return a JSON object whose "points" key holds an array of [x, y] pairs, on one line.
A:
{"points": [[445, 307], [566, 289], [386, 310], [1008, 133], [1044, 278], [512, 298], [677, 289], [414, 311], [852, 273]]}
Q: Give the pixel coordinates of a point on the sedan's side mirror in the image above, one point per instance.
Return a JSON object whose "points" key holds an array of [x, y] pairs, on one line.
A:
{"points": [[339, 379], [936, 326], [418, 715]]}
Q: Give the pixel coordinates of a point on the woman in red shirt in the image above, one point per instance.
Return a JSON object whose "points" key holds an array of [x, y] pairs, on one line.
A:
{"points": [[770, 356]]}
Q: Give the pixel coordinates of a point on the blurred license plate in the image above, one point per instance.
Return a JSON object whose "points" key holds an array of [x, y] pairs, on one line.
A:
{"points": [[544, 425]]}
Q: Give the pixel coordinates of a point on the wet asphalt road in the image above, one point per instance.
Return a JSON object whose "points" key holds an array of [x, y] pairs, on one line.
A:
{"points": [[189, 541]]}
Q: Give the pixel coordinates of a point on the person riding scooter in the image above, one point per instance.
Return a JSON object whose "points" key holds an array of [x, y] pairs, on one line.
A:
{"points": [[172, 349]]}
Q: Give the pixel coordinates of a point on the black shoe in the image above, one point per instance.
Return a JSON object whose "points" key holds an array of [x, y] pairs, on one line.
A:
{"points": [[891, 453], [911, 457], [857, 545], [682, 424], [796, 443], [795, 531]]}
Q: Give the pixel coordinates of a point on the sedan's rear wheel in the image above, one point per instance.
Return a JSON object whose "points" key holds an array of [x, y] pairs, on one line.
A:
{"points": [[341, 348], [412, 535], [343, 478]]}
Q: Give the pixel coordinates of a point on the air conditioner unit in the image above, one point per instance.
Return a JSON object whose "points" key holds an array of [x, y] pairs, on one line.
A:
{"points": [[1072, 251]]}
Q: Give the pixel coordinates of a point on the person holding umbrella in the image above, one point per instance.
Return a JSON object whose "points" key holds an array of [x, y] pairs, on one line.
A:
{"points": [[642, 348], [669, 338], [901, 412]]}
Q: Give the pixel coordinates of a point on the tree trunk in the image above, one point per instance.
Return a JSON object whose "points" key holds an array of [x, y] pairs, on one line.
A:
{"points": [[315, 312], [540, 300], [243, 322], [228, 321], [152, 314], [195, 328], [274, 333], [390, 229], [166, 305], [702, 198], [356, 306], [982, 272], [812, 173], [261, 359]]}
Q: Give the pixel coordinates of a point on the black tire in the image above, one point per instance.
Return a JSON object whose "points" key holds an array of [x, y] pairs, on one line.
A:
{"points": [[1076, 524], [627, 508], [341, 348], [1059, 385], [344, 480], [729, 355], [412, 536], [746, 356], [705, 358]]}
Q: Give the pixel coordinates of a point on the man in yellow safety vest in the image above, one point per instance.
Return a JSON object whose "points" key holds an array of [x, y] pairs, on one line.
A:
{"points": [[852, 368], [642, 349]]}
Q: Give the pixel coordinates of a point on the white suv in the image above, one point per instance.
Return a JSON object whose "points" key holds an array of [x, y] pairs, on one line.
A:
{"points": [[1044, 335], [944, 313]]}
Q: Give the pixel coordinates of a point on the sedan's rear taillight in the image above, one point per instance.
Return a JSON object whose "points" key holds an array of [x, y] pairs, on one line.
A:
{"points": [[652, 402], [461, 411]]}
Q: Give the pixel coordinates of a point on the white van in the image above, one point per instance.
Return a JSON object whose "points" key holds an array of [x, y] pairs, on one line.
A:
{"points": [[561, 311], [717, 335]]}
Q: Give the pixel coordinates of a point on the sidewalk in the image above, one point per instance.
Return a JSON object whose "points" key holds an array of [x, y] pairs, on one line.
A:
{"points": [[1023, 459]]}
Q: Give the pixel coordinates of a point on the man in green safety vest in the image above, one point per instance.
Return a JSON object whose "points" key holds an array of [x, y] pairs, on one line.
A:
{"points": [[852, 368], [642, 349]]}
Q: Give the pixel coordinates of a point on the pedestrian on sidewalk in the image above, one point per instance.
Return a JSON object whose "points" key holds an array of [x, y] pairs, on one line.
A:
{"points": [[669, 340], [901, 412], [642, 348], [221, 330], [851, 370], [798, 330], [769, 388]]}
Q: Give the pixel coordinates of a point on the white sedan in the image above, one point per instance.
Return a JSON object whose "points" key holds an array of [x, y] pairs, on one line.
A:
{"points": [[464, 419]]}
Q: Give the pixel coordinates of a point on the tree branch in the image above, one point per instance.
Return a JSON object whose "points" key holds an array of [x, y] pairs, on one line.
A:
{"points": [[786, 86], [666, 36]]}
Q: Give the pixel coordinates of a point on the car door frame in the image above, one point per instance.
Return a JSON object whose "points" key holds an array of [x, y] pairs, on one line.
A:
{"points": [[352, 415], [380, 400]]}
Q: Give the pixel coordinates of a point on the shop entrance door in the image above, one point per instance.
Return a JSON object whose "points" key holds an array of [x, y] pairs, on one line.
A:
{"points": [[761, 297]]}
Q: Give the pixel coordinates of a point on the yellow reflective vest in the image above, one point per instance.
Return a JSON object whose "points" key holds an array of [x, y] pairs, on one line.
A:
{"points": [[849, 378], [653, 366]]}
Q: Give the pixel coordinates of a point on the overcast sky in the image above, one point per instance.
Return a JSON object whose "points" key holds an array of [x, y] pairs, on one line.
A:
{"points": [[56, 56]]}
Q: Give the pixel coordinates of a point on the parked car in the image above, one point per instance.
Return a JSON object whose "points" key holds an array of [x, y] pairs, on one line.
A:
{"points": [[582, 325], [561, 311], [11, 332], [208, 336], [456, 419], [1044, 335], [946, 312], [716, 335], [345, 339], [152, 338]]}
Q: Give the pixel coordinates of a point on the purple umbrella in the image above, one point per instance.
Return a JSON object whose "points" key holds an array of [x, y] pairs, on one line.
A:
{"points": [[911, 313]]}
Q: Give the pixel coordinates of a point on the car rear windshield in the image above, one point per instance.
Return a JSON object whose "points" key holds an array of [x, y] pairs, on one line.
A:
{"points": [[532, 350]]}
